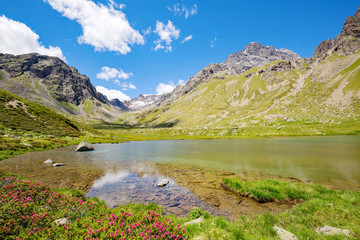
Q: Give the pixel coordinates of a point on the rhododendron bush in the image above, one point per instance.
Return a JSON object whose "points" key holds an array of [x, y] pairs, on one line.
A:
{"points": [[29, 210]]}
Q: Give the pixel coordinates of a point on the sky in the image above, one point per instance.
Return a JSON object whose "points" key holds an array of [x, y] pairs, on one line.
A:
{"points": [[132, 47]]}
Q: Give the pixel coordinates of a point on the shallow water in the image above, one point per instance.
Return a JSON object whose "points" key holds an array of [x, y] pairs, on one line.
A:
{"points": [[128, 172]]}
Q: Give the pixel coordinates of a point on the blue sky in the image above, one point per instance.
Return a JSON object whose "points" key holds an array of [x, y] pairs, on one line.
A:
{"points": [[148, 46]]}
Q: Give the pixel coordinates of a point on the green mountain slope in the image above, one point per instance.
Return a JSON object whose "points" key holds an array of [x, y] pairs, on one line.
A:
{"points": [[22, 115]]}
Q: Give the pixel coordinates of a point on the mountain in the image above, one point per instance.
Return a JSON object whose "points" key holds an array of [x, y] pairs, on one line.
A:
{"points": [[322, 90], [53, 83], [143, 100], [253, 55], [20, 114]]}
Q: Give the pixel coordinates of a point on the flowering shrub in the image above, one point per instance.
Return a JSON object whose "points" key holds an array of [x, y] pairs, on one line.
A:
{"points": [[28, 210]]}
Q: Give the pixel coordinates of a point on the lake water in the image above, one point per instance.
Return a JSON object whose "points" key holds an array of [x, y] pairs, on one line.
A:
{"points": [[333, 161], [128, 172]]}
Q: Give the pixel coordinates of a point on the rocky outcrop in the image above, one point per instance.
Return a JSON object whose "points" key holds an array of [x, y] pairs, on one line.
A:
{"points": [[346, 43], [63, 81], [84, 146], [284, 235], [255, 55], [328, 230]]}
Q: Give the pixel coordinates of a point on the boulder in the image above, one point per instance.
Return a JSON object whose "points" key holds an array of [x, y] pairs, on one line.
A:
{"points": [[58, 164], [163, 183], [328, 230], [61, 221], [84, 146], [49, 161], [284, 235], [196, 221]]}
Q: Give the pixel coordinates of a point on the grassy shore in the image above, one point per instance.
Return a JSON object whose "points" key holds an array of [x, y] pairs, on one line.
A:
{"points": [[29, 210]]}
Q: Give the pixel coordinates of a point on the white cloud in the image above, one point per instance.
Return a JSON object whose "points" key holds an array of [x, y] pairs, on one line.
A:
{"points": [[167, 33], [163, 88], [188, 38], [112, 93], [104, 27], [212, 43], [183, 10], [125, 86], [108, 73], [17, 38]]}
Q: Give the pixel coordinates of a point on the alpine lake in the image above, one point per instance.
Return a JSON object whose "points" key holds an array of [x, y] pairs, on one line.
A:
{"points": [[129, 172]]}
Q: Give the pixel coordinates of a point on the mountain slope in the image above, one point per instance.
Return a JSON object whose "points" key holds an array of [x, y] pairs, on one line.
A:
{"points": [[51, 82], [20, 114], [322, 90]]}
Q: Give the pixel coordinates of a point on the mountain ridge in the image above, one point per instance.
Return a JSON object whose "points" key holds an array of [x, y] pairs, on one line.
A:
{"points": [[51, 82]]}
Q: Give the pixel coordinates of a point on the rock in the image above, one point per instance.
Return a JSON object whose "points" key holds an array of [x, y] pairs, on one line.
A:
{"points": [[61, 221], [163, 183], [26, 144], [58, 164], [49, 161], [284, 235], [84, 146], [328, 230], [196, 221]]}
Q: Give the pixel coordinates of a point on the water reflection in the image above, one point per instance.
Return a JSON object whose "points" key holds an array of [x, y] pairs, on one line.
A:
{"points": [[124, 187]]}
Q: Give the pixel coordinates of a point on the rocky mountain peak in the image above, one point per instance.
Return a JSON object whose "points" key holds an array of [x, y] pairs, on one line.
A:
{"points": [[347, 42], [255, 55]]}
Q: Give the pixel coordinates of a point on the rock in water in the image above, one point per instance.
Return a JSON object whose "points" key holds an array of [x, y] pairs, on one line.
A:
{"points": [[84, 146], [58, 164], [49, 161], [328, 230], [163, 183], [284, 235]]}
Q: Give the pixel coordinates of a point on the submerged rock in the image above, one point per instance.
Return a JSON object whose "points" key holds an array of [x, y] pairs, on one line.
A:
{"points": [[196, 221], [84, 146], [284, 235], [328, 230], [58, 164], [49, 161], [163, 183]]}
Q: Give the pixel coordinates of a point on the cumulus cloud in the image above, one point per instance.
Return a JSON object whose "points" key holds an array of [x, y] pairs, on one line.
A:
{"points": [[113, 94], [163, 88], [106, 28], [108, 73], [167, 33], [188, 38], [179, 10], [17, 38], [125, 86]]}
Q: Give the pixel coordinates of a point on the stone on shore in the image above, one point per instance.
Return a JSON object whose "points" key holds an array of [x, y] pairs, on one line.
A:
{"points": [[284, 235], [49, 161], [163, 183], [328, 230], [84, 146]]}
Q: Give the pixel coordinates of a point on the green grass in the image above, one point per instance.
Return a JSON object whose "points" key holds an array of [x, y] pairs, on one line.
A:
{"points": [[270, 190]]}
